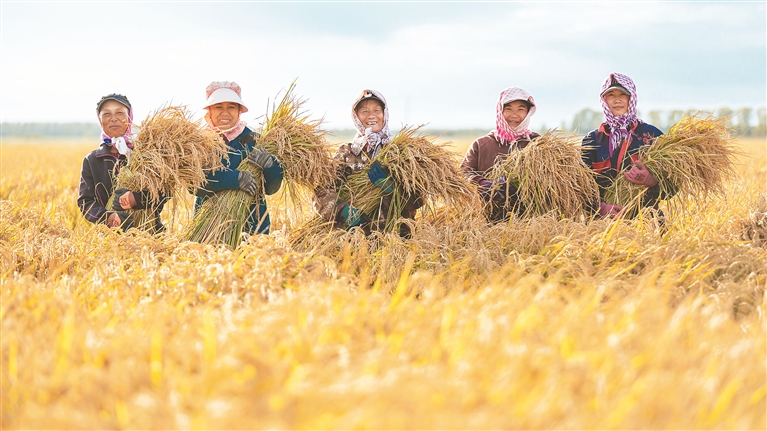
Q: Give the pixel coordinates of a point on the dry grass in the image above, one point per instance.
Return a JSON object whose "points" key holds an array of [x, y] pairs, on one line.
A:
{"points": [[421, 169], [694, 159], [538, 323], [172, 153], [550, 177]]}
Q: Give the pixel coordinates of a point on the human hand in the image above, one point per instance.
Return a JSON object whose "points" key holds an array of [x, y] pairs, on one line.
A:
{"points": [[124, 199], [639, 174], [247, 183], [378, 176], [113, 220], [608, 210], [260, 157]]}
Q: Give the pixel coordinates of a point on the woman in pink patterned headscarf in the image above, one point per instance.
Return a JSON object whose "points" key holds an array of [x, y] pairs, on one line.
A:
{"points": [[512, 132], [613, 148]]}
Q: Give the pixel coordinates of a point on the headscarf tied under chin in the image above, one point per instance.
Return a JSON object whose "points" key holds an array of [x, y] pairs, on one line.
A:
{"points": [[231, 133], [619, 126], [503, 132], [220, 92], [365, 138], [123, 144]]}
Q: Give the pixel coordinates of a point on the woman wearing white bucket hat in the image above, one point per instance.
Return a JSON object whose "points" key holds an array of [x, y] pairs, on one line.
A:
{"points": [[224, 106]]}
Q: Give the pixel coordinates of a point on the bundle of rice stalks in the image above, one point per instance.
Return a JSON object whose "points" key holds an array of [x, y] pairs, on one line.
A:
{"points": [[171, 154], [421, 169], [694, 159], [298, 143], [550, 176]]}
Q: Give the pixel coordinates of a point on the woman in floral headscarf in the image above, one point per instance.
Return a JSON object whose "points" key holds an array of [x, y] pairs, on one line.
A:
{"points": [[370, 115], [512, 132], [613, 147], [101, 166]]}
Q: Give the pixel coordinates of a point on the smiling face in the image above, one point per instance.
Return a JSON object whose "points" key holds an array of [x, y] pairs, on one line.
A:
{"points": [[224, 115], [515, 112], [370, 112], [617, 101], [114, 118]]}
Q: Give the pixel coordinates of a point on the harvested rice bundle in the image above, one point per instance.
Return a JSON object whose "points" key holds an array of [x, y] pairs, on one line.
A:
{"points": [[420, 169], [172, 153], [298, 143], [550, 176], [300, 147], [693, 159]]}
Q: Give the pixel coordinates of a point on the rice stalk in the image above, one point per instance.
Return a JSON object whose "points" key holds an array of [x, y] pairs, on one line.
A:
{"points": [[420, 168], [693, 160], [172, 153], [550, 176], [299, 144]]}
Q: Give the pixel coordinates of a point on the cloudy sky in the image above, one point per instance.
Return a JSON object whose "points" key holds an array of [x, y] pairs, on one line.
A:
{"points": [[436, 62]]}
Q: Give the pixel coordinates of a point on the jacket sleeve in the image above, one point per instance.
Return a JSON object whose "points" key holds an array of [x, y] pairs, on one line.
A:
{"points": [[273, 178], [89, 206], [144, 200], [220, 180], [327, 202], [470, 164]]}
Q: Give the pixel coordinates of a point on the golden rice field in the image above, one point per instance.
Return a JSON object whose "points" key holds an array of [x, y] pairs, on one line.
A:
{"points": [[534, 324]]}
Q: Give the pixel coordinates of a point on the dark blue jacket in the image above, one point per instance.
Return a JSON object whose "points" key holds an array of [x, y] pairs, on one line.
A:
{"points": [[100, 168], [226, 179], [596, 155]]}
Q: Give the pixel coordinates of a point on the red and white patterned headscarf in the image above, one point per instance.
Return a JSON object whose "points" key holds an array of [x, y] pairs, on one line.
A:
{"points": [[365, 138], [503, 132], [619, 126]]}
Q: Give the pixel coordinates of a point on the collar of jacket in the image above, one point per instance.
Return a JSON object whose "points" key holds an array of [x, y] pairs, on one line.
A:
{"points": [[605, 128], [106, 150]]}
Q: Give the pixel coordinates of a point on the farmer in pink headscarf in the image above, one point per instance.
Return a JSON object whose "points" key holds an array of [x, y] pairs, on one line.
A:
{"points": [[512, 132], [612, 149]]}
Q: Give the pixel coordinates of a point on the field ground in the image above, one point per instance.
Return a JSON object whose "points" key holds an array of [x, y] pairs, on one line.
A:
{"points": [[534, 324]]}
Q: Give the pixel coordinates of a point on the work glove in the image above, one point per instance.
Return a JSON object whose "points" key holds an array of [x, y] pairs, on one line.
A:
{"points": [[123, 200], [260, 157], [608, 210], [247, 183], [353, 216], [639, 174], [378, 176], [250, 138]]}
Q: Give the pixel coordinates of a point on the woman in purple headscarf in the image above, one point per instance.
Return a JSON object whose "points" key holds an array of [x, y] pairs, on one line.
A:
{"points": [[101, 166], [613, 148], [512, 132]]}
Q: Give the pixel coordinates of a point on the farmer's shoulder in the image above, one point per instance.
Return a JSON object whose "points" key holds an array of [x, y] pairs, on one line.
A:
{"points": [[643, 128], [486, 141]]}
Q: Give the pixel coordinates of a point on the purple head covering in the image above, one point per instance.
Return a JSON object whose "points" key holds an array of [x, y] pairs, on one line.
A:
{"points": [[619, 126]]}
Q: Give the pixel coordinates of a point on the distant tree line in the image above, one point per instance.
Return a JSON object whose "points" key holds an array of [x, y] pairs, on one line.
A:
{"points": [[69, 130], [746, 121]]}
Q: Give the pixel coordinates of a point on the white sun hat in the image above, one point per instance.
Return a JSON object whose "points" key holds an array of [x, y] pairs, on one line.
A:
{"points": [[224, 91]]}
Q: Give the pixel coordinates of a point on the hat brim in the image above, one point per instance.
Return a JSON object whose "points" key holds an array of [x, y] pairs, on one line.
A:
{"points": [[616, 87], [224, 95]]}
